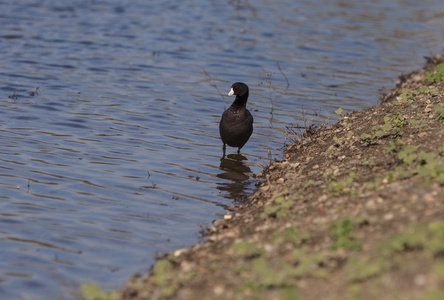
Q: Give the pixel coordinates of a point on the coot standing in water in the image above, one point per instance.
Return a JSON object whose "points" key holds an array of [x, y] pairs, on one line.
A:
{"points": [[236, 125]]}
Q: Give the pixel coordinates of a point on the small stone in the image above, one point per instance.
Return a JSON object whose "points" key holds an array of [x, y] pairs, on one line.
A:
{"points": [[319, 220], [228, 216], [265, 188], [219, 290], [429, 197], [420, 280], [179, 252], [217, 222], [370, 204], [323, 198], [269, 247], [280, 181], [388, 216], [230, 234]]}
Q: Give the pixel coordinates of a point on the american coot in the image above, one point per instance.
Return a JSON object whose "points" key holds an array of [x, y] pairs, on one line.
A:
{"points": [[236, 125]]}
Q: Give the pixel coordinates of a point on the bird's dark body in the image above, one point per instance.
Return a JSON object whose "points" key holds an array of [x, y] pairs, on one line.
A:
{"points": [[236, 126]]}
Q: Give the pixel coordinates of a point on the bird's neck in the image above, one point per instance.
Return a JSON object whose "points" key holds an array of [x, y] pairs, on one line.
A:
{"points": [[241, 100]]}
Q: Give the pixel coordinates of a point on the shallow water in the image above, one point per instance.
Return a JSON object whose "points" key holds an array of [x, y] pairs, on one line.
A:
{"points": [[110, 151]]}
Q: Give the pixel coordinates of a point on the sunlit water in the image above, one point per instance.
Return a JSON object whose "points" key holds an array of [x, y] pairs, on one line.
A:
{"points": [[109, 111]]}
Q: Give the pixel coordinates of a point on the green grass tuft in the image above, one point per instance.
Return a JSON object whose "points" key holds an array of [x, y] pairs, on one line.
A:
{"points": [[437, 76]]}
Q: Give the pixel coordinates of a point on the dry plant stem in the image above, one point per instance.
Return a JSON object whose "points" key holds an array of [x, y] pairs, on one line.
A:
{"points": [[285, 77]]}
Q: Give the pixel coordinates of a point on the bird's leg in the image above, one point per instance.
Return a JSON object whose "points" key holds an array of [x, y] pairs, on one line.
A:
{"points": [[224, 148], [238, 150]]}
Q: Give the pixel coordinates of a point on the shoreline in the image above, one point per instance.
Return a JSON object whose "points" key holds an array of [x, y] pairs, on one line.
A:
{"points": [[355, 211]]}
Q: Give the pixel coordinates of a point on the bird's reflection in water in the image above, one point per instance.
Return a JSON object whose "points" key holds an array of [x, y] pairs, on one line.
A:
{"points": [[238, 174]]}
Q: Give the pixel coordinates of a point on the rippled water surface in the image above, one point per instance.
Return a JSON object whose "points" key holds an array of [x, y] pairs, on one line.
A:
{"points": [[109, 111]]}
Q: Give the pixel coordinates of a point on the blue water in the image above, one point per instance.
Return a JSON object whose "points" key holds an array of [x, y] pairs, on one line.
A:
{"points": [[109, 111]]}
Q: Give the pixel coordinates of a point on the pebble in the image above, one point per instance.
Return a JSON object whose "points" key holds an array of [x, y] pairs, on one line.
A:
{"points": [[230, 234], [323, 198], [280, 180], [219, 290], [430, 197], [388, 216], [269, 247], [217, 222], [336, 172], [370, 204], [228, 216], [265, 188], [420, 280], [179, 252], [319, 220]]}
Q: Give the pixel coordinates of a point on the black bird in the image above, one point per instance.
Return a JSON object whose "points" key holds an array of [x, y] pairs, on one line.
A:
{"points": [[236, 125]]}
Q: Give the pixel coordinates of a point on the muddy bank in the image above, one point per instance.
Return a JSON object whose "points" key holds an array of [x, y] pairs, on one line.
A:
{"points": [[356, 211]]}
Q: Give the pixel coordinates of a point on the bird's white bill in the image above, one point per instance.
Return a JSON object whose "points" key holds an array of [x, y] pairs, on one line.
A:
{"points": [[231, 92]]}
